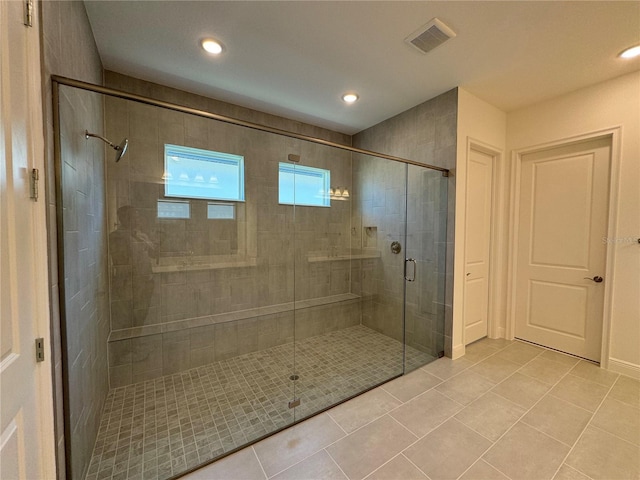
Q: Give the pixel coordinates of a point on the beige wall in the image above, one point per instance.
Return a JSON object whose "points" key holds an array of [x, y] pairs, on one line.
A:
{"points": [[611, 104], [615, 103], [483, 124]]}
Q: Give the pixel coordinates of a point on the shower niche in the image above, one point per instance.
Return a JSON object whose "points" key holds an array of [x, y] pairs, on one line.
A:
{"points": [[236, 297]]}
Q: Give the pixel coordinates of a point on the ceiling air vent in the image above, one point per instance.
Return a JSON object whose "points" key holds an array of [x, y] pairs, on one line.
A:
{"points": [[429, 36]]}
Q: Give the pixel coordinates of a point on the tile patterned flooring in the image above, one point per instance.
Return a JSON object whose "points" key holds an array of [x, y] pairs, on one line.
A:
{"points": [[160, 428], [506, 410]]}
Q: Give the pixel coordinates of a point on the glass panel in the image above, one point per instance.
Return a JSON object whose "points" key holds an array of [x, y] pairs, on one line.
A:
{"points": [[425, 266], [300, 185], [192, 323], [180, 309], [348, 284]]}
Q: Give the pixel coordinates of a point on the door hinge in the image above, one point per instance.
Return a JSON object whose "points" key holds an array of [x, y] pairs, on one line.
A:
{"points": [[39, 349], [28, 13], [35, 176], [294, 403]]}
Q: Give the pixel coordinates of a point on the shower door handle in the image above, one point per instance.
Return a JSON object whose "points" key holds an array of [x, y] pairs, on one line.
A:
{"points": [[415, 268]]}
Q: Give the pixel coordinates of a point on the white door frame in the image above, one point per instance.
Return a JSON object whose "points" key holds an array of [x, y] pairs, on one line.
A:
{"points": [[614, 134], [40, 288], [493, 325]]}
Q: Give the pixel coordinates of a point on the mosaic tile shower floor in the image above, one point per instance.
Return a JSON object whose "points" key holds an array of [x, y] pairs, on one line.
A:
{"points": [[163, 427]]}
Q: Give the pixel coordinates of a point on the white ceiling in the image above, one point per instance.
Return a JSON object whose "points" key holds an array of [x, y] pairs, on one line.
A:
{"points": [[295, 59]]}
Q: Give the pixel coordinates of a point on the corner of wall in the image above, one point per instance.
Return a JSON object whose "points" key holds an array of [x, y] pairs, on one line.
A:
{"points": [[485, 124]]}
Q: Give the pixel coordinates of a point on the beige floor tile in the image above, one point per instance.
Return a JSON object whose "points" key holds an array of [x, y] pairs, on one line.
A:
{"points": [[466, 387], [445, 368], [580, 392], [363, 451], [522, 390], [594, 373], [602, 456], [619, 419], [447, 451], [496, 342], [319, 466], [546, 371], [491, 415], [520, 353], [481, 470], [426, 412], [559, 357], [627, 390], [479, 351], [411, 385], [361, 410], [398, 469], [568, 473], [559, 419], [526, 454], [243, 464], [296, 443], [495, 368]]}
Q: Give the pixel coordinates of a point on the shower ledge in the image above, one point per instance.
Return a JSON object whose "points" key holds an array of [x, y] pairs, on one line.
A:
{"points": [[336, 258], [159, 328], [200, 263]]}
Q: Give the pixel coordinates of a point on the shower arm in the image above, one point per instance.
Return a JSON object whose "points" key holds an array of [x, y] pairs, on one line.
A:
{"points": [[87, 134]]}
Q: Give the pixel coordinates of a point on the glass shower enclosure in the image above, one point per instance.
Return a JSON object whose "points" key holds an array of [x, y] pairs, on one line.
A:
{"points": [[221, 281]]}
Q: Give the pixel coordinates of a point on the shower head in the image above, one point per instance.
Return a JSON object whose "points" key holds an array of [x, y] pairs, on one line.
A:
{"points": [[120, 149]]}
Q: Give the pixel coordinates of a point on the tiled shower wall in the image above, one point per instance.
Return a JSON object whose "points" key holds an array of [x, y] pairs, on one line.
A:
{"points": [[68, 49], [425, 133], [383, 210], [266, 249]]}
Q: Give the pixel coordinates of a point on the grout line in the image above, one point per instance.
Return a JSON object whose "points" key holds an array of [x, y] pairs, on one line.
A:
{"points": [[336, 463], [393, 419], [255, 454], [595, 412], [573, 468], [313, 452], [519, 419], [614, 435], [545, 433], [378, 468], [392, 395], [419, 469], [336, 422], [570, 403], [480, 459]]}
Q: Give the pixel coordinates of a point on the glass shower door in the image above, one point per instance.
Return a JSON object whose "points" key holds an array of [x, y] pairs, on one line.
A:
{"points": [[424, 270], [349, 215]]}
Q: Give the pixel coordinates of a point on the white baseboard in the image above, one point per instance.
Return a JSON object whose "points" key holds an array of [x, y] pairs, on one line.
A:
{"points": [[499, 332], [457, 351], [625, 368]]}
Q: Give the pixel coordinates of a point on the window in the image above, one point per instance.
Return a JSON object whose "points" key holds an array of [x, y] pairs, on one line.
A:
{"points": [[173, 209], [221, 211], [195, 173], [300, 185]]}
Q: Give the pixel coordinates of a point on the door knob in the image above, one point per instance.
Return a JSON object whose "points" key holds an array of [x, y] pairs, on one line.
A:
{"points": [[596, 279]]}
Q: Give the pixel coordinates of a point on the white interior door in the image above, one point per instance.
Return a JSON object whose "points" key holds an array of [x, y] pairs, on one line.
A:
{"points": [[477, 245], [26, 433], [561, 255]]}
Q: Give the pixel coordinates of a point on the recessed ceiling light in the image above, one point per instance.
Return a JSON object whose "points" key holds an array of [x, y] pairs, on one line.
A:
{"points": [[350, 97], [212, 46], [630, 52]]}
